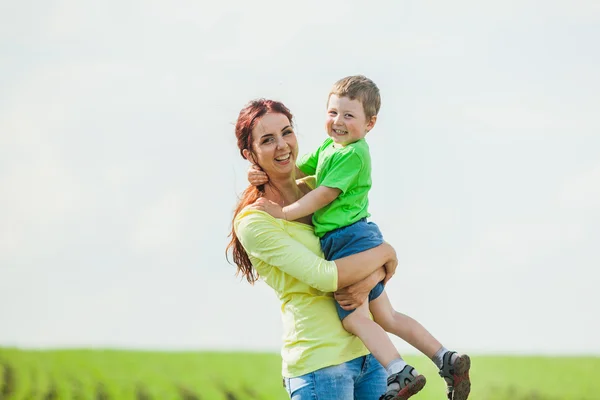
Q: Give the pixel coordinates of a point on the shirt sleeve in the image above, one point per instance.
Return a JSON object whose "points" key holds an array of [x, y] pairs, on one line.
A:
{"points": [[308, 163], [343, 172], [267, 241]]}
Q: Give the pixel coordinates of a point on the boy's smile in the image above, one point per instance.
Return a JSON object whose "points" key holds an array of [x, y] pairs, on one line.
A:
{"points": [[346, 121]]}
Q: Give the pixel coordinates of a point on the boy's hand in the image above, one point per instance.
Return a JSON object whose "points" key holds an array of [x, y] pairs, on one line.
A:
{"points": [[269, 206], [257, 176]]}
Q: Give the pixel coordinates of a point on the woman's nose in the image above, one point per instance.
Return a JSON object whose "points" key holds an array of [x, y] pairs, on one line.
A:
{"points": [[281, 144]]}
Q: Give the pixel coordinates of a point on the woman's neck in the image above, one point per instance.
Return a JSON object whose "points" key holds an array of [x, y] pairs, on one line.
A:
{"points": [[283, 191]]}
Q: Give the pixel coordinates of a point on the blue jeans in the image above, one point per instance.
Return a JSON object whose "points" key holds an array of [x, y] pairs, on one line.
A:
{"points": [[360, 379], [348, 240]]}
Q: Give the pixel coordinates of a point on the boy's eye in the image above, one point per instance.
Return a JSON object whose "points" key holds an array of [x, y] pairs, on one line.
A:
{"points": [[332, 113], [349, 115]]}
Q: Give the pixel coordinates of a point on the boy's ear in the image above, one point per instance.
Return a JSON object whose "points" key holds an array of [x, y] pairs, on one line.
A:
{"points": [[372, 122]]}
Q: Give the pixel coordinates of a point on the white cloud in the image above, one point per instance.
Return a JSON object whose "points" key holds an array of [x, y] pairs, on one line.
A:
{"points": [[119, 168], [560, 224], [581, 193], [530, 120], [39, 193], [158, 226]]}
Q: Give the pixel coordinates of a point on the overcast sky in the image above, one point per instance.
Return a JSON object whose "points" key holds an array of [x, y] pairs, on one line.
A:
{"points": [[119, 169]]}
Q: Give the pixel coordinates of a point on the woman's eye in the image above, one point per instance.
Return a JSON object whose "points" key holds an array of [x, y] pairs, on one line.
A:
{"points": [[287, 133]]}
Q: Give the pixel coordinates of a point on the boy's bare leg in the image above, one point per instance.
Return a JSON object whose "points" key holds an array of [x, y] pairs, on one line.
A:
{"points": [[403, 326], [403, 380], [454, 368], [371, 334]]}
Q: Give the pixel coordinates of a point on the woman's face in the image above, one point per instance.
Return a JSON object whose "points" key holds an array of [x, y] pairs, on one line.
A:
{"points": [[274, 145]]}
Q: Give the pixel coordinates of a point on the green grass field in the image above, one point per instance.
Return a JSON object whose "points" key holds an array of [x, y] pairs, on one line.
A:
{"points": [[96, 374]]}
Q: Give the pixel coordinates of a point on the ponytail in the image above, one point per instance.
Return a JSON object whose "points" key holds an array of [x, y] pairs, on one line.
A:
{"points": [[244, 126], [240, 256]]}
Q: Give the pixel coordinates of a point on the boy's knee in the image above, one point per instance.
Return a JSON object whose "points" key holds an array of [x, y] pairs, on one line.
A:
{"points": [[347, 324], [352, 321], [386, 320]]}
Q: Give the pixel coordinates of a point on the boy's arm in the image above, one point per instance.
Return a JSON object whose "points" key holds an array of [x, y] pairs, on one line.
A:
{"points": [[257, 177], [311, 202], [307, 205]]}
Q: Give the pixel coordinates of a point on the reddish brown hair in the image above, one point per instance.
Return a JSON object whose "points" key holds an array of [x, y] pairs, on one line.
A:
{"points": [[244, 126]]}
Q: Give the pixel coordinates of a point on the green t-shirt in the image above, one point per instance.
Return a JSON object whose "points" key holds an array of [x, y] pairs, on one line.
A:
{"points": [[346, 168]]}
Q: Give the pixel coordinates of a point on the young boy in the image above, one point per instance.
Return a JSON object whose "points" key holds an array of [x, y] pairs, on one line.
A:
{"points": [[342, 165]]}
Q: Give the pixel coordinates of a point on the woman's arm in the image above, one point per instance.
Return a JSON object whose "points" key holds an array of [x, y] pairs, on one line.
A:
{"points": [[355, 268], [266, 240]]}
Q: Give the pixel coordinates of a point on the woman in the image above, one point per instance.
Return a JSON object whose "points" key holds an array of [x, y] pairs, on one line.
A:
{"points": [[320, 359]]}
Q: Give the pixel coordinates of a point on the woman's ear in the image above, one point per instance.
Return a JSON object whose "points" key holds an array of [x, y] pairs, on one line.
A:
{"points": [[249, 156]]}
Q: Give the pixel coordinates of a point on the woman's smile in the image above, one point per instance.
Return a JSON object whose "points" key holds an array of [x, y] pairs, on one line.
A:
{"points": [[283, 159]]}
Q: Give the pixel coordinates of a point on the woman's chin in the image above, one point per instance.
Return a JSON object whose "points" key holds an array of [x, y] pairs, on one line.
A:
{"points": [[281, 171]]}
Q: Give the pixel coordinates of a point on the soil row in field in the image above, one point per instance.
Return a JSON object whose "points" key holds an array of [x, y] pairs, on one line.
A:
{"points": [[8, 388]]}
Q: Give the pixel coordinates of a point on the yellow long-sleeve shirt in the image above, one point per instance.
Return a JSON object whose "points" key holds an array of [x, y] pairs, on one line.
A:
{"points": [[288, 257]]}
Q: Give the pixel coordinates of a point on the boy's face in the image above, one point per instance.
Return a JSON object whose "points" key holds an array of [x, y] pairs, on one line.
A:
{"points": [[346, 121]]}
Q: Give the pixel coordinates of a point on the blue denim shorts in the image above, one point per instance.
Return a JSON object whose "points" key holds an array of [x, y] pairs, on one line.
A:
{"points": [[362, 378], [352, 239]]}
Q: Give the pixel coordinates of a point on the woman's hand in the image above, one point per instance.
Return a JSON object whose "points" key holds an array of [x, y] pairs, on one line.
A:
{"points": [[257, 176], [355, 295], [390, 265], [268, 206]]}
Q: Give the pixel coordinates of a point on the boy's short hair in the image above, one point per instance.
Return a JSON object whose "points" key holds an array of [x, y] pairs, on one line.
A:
{"points": [[361, 88]]}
